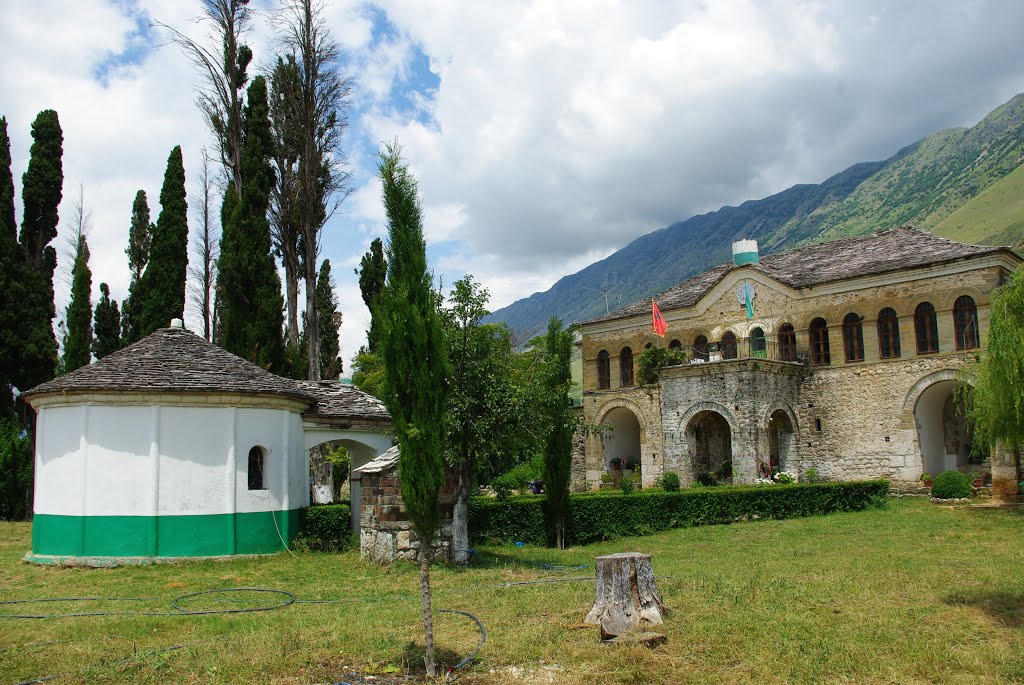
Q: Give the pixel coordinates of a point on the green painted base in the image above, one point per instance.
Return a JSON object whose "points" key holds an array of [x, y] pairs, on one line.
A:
{"points": [[215, 535]]}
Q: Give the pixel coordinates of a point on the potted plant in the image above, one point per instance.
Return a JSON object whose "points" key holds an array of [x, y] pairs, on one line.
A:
{"points": [[927, 480], [977, 478], [632, 465], [616, 463]]}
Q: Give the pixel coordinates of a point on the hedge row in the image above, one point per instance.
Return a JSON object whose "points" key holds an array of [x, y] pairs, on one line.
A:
{"points": [[325, 527], [605, 515]]}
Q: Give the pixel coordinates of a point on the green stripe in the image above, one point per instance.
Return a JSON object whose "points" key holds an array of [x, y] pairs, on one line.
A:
{"points": [[163, 536], [741, 258]]}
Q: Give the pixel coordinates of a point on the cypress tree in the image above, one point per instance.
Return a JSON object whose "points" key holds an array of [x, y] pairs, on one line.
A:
{"points": [[10, 285], [106, 325], [163, 283], [372, 271], [78, 344], [140, 238], [558, 446], [248, 286], [330, 323], [415, 366], [41, 194]]}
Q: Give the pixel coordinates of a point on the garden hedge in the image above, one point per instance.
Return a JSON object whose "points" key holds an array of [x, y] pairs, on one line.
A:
{"points": [[325, 527], [595, 516]]}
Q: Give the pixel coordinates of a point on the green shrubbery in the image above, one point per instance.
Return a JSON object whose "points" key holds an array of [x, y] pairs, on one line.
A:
{"points": [[670, 482], [15, 473], [951, 485], [606, 515], [518, 478], [325, 528]]}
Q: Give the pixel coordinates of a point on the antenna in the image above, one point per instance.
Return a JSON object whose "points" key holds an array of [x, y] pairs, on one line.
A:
{"points": [[603, 291]]}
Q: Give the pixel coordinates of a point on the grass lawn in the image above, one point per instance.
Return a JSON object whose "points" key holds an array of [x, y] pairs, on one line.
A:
{"points": [[912, 593]]}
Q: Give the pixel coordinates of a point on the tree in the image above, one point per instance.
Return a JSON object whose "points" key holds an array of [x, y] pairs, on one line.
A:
{"points": [[41, 194], [11, 258], [996, 404], [372, 271], [318, 108], [15, 472], [163, 283], [415, 367], [203, 275], [140, 239], [106, 325], [558, 446], [330, 324], [222, 64], [78, 316], [248, 287]]}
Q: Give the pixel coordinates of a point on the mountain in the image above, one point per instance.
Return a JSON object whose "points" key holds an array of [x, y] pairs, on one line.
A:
{"points": [[965, 183]]}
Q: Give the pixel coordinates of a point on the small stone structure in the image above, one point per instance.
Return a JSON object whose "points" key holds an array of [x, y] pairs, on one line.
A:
{"points": [[385, 531]]}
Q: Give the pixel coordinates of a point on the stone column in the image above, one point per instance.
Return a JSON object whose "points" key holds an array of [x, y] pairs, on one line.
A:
{"points": [[1005, 473]]}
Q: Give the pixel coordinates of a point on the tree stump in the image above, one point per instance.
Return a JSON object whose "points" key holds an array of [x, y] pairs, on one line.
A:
{"points": [[627, 597]]}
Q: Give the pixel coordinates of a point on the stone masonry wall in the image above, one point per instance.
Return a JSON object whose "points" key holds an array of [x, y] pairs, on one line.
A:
{"points": [[386, 534]]}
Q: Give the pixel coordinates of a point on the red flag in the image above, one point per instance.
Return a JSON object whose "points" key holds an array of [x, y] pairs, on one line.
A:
{"points": [[657, 320]]}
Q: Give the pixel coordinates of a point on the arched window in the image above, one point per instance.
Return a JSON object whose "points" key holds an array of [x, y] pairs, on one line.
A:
{"points": [[729, 345], [853, 337], [675, 345], [888, 334], [926, 328], [626, 367], [604, 372], [965, 323], [818, 333], [787, 343], [758, 344], [647, 346], [257, 480], [700, 348]]}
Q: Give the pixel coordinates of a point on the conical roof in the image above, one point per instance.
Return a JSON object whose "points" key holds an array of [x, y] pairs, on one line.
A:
{"points": [[171, 360]]}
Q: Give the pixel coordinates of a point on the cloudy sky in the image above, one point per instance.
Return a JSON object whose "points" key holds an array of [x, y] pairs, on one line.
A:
{"points": [[545, 135]]}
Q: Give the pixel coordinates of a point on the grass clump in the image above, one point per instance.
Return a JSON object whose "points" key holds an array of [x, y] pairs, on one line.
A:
{"points": [[951, 485]]}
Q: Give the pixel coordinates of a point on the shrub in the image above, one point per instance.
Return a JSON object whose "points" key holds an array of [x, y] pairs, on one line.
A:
{"points": [[670, 482], [325, 528], [15, 473], [951, 485], [606, 515], [516, 478], [627, 484], [811, 476]]}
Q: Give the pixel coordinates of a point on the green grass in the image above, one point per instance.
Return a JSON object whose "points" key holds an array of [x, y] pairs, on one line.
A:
{"points": [[995, 216], [913, 593]]}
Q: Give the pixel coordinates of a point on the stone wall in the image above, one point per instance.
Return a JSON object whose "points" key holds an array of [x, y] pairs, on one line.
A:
{"points": [[645, 404], [386, 534]]}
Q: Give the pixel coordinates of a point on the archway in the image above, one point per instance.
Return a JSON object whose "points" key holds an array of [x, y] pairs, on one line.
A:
{"points": [[710, 441], [623, 440], [781, 440], [944, 436]]}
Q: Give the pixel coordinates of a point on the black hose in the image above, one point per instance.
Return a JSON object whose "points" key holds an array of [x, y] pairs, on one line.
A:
{"points": [[483, 636], [179, 611]]}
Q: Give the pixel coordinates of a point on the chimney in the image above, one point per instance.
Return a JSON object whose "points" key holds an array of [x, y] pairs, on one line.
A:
{"points": [[744, 252]]}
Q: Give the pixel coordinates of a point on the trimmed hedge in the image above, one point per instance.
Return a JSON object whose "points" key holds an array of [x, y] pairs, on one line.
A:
{"points": [[951, 485], [606, 515], [325, 527]]}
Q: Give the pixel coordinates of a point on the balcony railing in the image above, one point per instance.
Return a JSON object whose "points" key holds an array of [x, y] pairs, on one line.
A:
{"points": [[745, 348]]}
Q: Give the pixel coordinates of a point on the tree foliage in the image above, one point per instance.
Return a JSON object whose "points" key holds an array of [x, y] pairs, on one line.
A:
{"points": [[163, 283], [372, 272], [996, 405], [15, 472], [415, 366], [106, 325], [140, 236], [248, 287], [330, 324], [78, 344], [42, 190], [558, 445], [11, 259]]}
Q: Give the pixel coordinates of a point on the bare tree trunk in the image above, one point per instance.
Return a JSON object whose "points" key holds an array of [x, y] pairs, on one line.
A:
{"points": [[203, 266], [291, 286], [428, 618], [460, 518]]}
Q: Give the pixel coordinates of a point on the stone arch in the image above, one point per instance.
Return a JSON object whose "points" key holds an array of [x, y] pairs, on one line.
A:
{"points": [[697, 408], [942, 438], [950, 297], [779, 405], [621, 403], [778, 445], [649, 471], [709, 436], [927, 381]]}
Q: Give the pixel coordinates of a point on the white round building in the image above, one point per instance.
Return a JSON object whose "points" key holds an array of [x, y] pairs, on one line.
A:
{"points": [[173, 447]]}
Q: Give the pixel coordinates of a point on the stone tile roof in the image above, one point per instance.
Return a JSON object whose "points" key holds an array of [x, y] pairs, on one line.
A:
{"points": [[895, 249], [341, 400], [172, 360], [380, 464]]}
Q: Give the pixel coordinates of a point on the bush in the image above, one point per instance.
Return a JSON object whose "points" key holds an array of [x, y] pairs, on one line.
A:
{"points": [[15, 473], [595, 516], [811, 476], [670, 482], [325, 528], [627, 484], [517, 478], [951, 485]]}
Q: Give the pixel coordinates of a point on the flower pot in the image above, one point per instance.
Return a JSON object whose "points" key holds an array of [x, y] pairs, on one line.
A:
{"points": [[927, 483]]}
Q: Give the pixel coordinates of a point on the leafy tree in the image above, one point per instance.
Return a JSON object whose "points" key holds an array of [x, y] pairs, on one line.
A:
{"points": [[106, 325], [41, 194], [140, 239], [11, 258], [996, 405], [415, 367], [15, 472], [163, 283], [318, 103], [248, 287], [558, 447], [372, 271], [203, 274], [368, 373], [330, 324], [78, 344]]}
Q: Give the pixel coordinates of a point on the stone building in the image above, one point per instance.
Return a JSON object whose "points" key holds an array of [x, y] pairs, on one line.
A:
{"points": [[842, 357]]}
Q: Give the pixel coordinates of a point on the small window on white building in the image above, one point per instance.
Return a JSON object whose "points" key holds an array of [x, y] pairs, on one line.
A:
{"points": [[257, 464]]}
